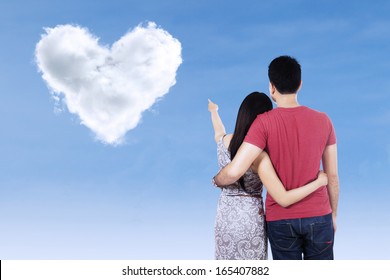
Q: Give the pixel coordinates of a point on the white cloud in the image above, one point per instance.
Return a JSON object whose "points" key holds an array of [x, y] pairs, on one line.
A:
{"points": [[108, 88]]}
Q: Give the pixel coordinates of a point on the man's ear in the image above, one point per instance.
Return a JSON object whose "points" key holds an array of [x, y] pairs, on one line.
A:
{"points": [[272, 91], [272, 88], [300, 85]]}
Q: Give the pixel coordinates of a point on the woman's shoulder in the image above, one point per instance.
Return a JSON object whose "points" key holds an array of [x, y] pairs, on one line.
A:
{"points": [[226, 140], [223, 144]]}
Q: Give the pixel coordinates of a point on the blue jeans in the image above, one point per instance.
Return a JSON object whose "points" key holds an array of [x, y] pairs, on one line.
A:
{"points": [[307, 238]]}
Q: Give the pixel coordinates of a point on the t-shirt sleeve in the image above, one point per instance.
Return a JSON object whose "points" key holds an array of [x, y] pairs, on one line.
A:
{"points": [[332, 134], [257, 134]]}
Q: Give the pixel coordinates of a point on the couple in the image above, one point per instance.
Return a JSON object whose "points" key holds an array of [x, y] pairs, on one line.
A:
{"points": [[301, 203]]}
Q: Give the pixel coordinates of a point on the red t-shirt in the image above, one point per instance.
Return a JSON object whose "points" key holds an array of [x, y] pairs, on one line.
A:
{"points": [[295, 139]]}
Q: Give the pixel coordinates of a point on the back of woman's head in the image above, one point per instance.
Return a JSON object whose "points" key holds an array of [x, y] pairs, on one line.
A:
{"points": [[254, 104]]}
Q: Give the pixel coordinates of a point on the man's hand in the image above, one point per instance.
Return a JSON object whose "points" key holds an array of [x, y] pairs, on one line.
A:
{"points": [[334, 223]]}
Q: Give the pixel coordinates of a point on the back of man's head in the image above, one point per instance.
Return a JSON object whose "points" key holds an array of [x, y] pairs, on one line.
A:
{"points": [[284, 73]]}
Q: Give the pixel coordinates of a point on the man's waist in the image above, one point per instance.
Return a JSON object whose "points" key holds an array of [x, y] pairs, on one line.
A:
{"points": [[316, 205]]}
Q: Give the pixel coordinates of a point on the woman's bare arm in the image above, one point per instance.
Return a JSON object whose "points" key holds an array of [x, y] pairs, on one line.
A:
{"points": [[219, 128], [275, 188]]}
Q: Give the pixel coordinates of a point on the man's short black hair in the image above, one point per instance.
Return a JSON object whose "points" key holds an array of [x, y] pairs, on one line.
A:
{"points": [[284, 73]]}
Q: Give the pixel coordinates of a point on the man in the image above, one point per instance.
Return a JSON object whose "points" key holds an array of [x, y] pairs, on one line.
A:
{"points": [[296, 138]]}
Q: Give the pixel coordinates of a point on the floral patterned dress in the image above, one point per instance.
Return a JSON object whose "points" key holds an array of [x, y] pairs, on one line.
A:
{"points": [[240, 223]]}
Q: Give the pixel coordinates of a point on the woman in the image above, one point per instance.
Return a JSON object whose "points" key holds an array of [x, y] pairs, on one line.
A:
{"points": [[240, 222]]}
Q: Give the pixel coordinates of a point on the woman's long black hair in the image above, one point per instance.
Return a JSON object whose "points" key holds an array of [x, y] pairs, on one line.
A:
{"points": [[254, 104]]}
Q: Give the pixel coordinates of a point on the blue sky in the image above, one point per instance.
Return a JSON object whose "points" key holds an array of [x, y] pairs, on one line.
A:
{"points": [[64, 195]]}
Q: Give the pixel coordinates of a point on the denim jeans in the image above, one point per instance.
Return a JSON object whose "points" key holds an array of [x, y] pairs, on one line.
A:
{"points": [[307, 238]]}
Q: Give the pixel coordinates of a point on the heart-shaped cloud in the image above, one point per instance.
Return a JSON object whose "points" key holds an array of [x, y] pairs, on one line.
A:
{"points": [[108, 88]]}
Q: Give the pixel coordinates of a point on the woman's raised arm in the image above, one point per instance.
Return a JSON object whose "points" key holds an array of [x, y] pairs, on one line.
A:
{"points": [[219, 128]]}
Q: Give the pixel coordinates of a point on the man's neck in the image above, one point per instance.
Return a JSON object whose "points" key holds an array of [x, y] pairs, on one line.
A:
{"points": [[287, 101]]}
